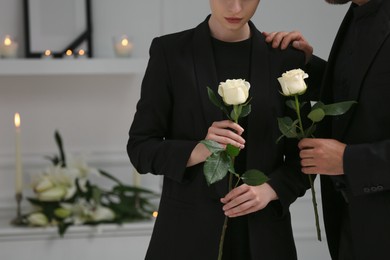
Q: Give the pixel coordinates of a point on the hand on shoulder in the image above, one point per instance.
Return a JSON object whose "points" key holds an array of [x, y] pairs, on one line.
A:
{"points": [[294, 38]]}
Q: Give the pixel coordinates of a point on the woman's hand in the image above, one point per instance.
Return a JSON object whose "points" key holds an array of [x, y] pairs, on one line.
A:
{"points": [[223, 132], [226, 132], [246, 199]]}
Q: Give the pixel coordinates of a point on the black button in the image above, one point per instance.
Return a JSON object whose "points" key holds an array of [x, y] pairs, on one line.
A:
{"points": [[366, 190]]}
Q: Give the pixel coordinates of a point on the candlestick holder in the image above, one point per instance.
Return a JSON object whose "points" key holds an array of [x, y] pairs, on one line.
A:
{"points": [[137, 200], [18, 220]]}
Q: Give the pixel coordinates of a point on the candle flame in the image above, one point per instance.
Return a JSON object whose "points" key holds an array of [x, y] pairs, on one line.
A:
{"points": [[47, 53], [154, 214], [7, 41], [17, 120], [69, 52], [125, 42], [81, 52]]}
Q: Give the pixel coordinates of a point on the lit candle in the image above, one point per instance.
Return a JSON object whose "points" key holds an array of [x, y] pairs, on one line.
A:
{"points": [[18, 161], [81, 54], [136, 178], [47, 54], [9, 48], [123, 46], [69, 54]]}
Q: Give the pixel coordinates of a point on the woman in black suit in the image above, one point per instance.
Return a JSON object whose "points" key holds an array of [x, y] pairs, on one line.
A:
{"points": [[174, 114]]}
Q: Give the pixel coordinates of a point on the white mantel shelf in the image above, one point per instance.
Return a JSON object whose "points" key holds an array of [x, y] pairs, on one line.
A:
{"points": [[11, 233], [101, 242], [93, 66]]}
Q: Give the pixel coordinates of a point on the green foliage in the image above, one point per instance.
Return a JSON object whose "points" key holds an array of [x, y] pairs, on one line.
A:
{"points": [[232, 150], [128, 203], [216, 167], [335, 109], [213, 146], [294, 128], [254, 177], [291, 104], [216, 101], [288, 127], [316, 115]]}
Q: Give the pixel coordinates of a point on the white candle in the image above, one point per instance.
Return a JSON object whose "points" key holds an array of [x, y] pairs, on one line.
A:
{"points": [[18, 161], [123, 46], [9, 48], [136, 178]]}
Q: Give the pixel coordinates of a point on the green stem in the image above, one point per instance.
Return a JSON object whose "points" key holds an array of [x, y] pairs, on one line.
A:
{"points": [[238, 181], [220, 249], [313, 192], [225, 222], [298, 110], [309, 130], [314, 200]]}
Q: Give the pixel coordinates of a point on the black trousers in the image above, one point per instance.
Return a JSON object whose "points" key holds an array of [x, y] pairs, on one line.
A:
{"points": [[346, 244]]}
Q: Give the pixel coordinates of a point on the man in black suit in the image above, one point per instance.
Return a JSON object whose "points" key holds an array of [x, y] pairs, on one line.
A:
{"points": [[174, 114], [355, 163]]}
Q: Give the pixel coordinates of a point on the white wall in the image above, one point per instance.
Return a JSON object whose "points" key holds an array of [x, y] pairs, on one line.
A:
{"points": [[94, 113]]}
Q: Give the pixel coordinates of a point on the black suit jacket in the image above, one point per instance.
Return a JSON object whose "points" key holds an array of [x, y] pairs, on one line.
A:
{"points": [[366, 131], [173, 115]]}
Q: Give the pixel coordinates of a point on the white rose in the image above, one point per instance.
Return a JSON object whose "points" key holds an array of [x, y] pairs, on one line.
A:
{"points": [[234, 91], [44, 184], [293, 83], [38, 219], [82, 168], [102, 213], [53, 194]]}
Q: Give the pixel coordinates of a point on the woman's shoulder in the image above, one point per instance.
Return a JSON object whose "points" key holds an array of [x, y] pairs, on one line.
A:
{"points": [[177, 36], [173, 43], [184, 36]]}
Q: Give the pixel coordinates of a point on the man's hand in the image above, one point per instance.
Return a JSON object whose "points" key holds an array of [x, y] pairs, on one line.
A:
{"points": [[283, 39], [321, 156], [246, 199]]}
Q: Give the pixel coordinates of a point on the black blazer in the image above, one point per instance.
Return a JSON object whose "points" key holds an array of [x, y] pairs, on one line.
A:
{"points": [[173, 115], [366, 131]]}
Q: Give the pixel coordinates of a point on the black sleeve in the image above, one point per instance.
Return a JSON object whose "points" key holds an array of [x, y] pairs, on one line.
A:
{"points": [[149, 148], [315, 68]]}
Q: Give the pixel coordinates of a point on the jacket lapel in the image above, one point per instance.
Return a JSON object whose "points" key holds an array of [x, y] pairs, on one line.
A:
{"points": [[259, 92], [206, 76], [367, 50], [338, 126], [327, 89], [205, 72]]}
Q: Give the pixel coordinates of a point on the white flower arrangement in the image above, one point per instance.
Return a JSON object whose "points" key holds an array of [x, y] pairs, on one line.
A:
{"points": [[65, 196]]}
